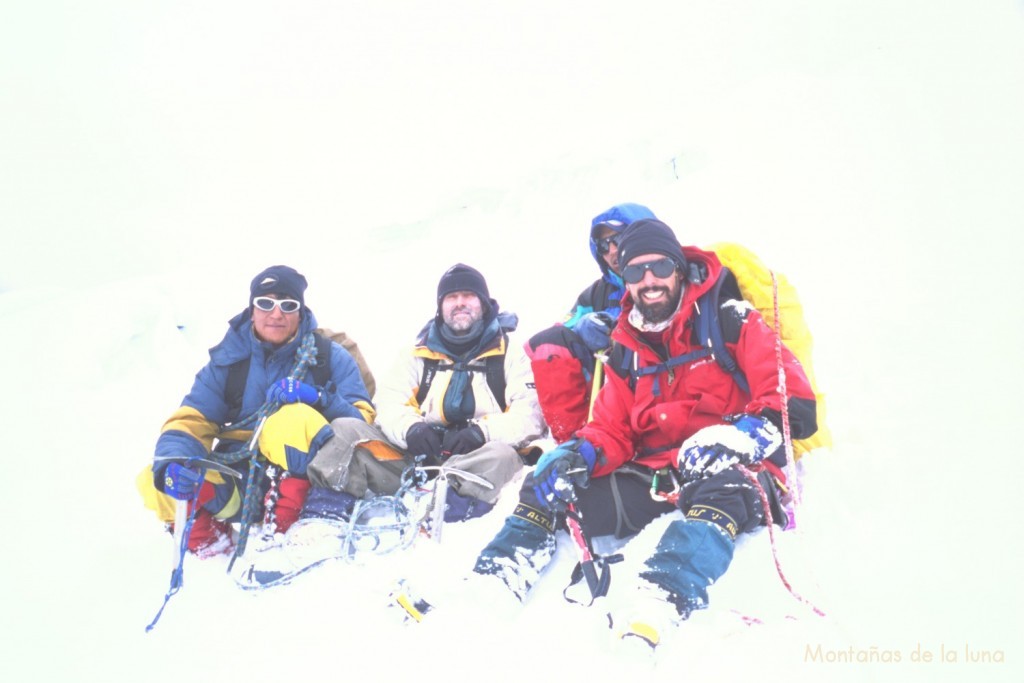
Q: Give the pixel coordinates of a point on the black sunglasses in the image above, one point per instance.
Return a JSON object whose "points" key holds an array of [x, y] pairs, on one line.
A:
{"points": [[661, 268], [604, 245]]}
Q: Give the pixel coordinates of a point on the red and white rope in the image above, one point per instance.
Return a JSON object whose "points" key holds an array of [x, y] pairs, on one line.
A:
{"points": [[787, 438], [771, 535]]}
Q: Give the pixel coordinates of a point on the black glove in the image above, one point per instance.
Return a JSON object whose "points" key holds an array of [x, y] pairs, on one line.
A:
{"points": [[422, 439], [464, 440]]}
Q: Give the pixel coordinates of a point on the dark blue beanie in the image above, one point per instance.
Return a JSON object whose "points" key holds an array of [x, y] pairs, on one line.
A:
{"points": [[650, 236], [463, 278], [281, 280]]}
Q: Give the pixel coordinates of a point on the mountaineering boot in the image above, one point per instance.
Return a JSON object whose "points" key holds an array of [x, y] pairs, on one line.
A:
{"points": [[210, 536], [690, 556], [650, 615], [518, 554], [460, 508], [455, 601], [324, 503]]}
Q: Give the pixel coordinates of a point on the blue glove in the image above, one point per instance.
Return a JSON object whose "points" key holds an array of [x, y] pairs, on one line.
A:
{"points": [[291, 390], [465, 440], [748, 440], [182, 482], [561, 470], [594, 329]]}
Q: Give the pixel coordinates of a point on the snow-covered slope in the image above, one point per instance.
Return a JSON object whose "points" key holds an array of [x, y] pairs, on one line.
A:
{"points": [[155, 157]]}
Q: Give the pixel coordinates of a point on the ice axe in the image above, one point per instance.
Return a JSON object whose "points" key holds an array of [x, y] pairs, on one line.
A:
{"points": [[591, 567], [441, 494], [183, 525], [589, 562]]}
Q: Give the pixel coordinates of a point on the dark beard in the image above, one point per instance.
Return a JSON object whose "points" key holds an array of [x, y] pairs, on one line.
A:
{"points": [[657, 313]]}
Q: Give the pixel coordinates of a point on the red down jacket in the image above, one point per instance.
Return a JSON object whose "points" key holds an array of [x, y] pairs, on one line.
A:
{"points": [[648, 424]]}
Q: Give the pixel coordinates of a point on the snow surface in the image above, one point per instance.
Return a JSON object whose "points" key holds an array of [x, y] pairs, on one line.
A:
{"points": [[157, 155]]}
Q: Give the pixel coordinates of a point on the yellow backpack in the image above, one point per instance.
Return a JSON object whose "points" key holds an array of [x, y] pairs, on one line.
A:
{"points": [[755, 282]]}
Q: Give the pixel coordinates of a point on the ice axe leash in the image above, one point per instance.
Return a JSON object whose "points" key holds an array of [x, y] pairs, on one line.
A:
{"points": [[592, 567]]}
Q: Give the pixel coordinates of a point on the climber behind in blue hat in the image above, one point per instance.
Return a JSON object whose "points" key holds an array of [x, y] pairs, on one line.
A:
{"points": [[562, 356]]}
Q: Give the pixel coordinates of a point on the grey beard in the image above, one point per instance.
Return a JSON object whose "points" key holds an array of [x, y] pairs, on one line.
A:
{"points": [[452, 337]]}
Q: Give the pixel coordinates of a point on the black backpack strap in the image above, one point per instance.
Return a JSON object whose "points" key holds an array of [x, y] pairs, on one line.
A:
{"points": [[620, 361], [321, 372], [666, 366], [708, 326], [429, 370], [234, 388], [496, 378]]}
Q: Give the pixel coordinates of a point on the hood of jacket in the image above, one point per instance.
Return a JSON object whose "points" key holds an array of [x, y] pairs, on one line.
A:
{"points": [[616, 218]]}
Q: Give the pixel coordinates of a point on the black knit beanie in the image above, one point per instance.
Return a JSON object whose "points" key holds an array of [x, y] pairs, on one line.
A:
{"points": [[462, 278], [650, 236], [280, 280]]}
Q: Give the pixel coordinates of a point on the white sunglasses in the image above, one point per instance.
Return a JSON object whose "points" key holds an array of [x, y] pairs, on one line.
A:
{"points": [[266, 303]]}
